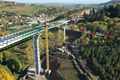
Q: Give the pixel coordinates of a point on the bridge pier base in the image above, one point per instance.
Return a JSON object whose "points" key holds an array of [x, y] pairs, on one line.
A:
{"points": [[37, 53]]}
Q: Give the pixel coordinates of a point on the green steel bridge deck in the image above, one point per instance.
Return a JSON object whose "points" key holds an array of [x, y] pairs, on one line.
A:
{"points": [[17, 36]]}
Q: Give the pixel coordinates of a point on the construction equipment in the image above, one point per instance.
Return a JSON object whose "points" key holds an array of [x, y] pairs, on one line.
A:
{"points": [[47, 50], [47, 71]]}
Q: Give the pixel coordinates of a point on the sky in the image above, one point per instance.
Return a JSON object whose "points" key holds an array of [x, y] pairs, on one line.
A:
{"points": [[62, 1]]}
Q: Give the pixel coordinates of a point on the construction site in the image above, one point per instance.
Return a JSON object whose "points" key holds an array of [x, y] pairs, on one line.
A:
{"points": [[50, 67]]}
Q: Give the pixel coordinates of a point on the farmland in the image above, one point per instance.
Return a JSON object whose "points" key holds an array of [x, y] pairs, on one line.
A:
{"points": [[28, 10]]}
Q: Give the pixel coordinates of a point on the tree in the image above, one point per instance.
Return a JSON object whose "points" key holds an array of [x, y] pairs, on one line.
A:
{"points": [[1, 57], [4, 75], [6, 55], [71, 25], [90, 13], [117, 9], [97, 16], [86, 16], [102, 70], [42, 45], [51, 41], [102, 16], [29, 53], [75, 26], [14, 64], [93, 11], [60, 38]]}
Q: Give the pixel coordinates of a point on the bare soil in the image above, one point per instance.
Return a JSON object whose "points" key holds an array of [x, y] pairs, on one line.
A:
{"points": [[53, 67]]}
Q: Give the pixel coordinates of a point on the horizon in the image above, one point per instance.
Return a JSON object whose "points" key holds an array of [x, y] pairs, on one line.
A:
{"points": [[62, 1]]}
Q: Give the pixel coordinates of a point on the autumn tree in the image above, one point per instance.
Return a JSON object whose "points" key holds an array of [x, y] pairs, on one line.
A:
{"points": [[51, 40], [29, 51], [4, 75], [60, 38], [41, 45]]}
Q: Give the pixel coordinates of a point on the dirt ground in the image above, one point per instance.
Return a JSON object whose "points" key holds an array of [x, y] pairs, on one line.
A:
{"points": [[54, 65]]}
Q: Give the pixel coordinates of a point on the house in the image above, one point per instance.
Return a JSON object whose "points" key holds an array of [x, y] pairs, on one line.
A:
{"points": [[4, 12], [43, 14], [15, 16], [15, 21], [15, 3], [19, 16], [31, 18], [27, 4], [28, 17], [10, 23], [21, 20], [38, 17], [1, 25], [34, 17]]}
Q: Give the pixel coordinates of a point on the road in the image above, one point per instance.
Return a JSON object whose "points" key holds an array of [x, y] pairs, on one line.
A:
{"points": [[83, 63]]}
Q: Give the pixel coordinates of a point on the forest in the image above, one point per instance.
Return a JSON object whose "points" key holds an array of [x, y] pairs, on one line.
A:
{"points": [[102, 53]]}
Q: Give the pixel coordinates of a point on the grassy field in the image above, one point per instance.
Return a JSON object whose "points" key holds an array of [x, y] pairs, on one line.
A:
{"points": [[70, 72], [28, 10], [34, 10]]}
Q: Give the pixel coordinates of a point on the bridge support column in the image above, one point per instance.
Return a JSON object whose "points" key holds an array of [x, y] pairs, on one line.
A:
{"points": [[37, 53], [64, 31]]}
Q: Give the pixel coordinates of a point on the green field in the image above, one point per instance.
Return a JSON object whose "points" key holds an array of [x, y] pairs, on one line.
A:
{"points": [[30, 12], [70, 72], [31, 9]]}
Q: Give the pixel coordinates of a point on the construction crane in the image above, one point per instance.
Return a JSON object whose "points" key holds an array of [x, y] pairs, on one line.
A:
{"points": [[47, 50], [47, 71]]}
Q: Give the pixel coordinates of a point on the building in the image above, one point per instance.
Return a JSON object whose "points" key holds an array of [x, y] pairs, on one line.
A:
{"points": [[10, 23], [27, 4], [15, 16], [21, 20], [1, 25]]}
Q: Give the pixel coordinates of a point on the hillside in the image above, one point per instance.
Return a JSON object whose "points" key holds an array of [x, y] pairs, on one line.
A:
{"points": [[98, 6], [20, 8], [110, 2], [102, 53]]}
